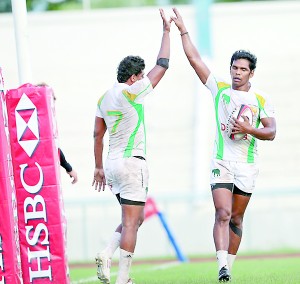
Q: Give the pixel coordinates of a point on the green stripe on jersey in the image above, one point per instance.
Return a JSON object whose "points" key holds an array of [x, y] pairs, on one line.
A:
{"points": [[100, 100], [140, 111], [220, 142]]}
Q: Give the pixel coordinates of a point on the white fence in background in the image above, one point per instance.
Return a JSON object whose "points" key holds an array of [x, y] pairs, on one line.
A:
{"points": [[271, 222]]}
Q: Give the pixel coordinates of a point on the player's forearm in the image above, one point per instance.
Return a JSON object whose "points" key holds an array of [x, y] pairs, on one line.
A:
{"points": [[98, 152], [194, 58], [189, 48], [63, 162], [162, 63], [164, 51], [265, 133], [99, 131]]}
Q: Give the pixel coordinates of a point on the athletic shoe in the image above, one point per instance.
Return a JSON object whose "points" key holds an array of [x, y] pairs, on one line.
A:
{"points": [[103, 268], [224, 275]]}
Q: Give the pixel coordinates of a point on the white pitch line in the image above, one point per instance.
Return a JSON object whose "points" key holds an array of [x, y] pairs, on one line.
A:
{"points": [[158, 267], [86, 280], [163, 266]]}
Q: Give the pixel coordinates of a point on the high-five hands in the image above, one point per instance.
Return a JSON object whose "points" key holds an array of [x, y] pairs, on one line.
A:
{"points": [[166, 23]]}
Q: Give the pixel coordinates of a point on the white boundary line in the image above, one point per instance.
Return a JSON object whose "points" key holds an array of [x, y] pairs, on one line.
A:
{"points": [[157, 267]]}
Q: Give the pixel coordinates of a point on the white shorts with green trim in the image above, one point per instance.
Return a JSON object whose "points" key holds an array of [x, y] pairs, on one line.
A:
{"points": [[242, 175], [128, 177]]}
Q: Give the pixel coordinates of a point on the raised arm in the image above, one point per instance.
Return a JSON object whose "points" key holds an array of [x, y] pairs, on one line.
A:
{"points": [[190, 50], [163, 57]]}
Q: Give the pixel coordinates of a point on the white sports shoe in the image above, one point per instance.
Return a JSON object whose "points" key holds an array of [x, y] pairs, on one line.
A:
{"points": [[103, 268]]}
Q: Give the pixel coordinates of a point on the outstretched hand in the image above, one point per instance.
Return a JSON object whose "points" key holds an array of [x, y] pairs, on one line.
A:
{"points": [[178, 21], [166, 23]]}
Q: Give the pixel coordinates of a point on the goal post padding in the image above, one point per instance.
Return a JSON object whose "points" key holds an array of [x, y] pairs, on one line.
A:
{"points": [[41, 218], [10, 264]]}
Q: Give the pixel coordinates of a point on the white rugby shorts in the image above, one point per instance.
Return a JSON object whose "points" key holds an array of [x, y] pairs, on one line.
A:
{"points": [[128, 177], [242, 175]]}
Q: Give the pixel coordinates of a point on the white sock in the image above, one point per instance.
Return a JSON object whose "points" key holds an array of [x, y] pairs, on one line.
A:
{"points": [[124, 266], [112, 245], [222, 258], [230, 260]]}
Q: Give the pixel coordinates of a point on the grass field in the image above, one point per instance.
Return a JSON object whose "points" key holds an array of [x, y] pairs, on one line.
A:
{"points": [[275, 269]]}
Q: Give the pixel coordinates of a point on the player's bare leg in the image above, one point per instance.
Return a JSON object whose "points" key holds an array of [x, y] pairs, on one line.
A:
{"points": [[222, 198], [239, 205], [132, 218]]}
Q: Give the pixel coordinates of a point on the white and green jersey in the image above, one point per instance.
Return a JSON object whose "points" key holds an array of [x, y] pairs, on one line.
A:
{"points": [[225, 101], [123, 111]]}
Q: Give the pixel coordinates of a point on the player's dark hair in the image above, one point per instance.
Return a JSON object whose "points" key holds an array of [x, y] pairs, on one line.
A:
{"points": [[130, 65], [244, 54]]}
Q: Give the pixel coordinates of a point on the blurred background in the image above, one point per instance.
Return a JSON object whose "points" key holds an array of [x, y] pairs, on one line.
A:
{"points": [[75, 47]]}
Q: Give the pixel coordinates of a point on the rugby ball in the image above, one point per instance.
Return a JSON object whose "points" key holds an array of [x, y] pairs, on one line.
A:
{"points": [[238, 113]]}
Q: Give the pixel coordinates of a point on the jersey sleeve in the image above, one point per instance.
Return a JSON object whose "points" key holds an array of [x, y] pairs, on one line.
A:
{"points": [[98, 112], [265, 104], [63, 162], [137, 91], [98, 109], [214, 84]]}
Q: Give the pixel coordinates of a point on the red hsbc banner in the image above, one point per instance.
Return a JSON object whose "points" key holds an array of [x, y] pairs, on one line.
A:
{"points": [[10, 263], [41, 219]]}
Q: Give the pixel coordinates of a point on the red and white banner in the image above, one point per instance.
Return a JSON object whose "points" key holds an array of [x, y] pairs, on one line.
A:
{"points": [[10, 263], [150, 208], [41, 219]]}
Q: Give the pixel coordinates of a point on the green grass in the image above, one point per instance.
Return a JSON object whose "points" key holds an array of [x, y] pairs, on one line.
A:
{"points": [[250, 271]]}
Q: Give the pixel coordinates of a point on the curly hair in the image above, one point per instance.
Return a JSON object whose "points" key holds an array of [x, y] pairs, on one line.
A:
{"points": [[244, 54], [130, 65]]}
